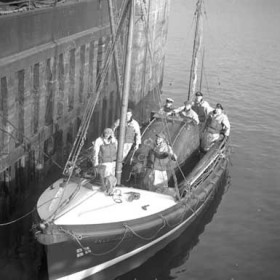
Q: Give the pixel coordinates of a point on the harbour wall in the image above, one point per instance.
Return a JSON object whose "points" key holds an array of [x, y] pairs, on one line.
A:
{"points": [[49, 63]]}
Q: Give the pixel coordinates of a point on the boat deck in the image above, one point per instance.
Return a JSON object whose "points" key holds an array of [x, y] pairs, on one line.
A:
{"points": [[90, 205]]}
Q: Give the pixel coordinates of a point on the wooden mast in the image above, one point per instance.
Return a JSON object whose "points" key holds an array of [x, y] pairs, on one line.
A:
{"points": [[126, 88], [196, 47], [201, 71]]}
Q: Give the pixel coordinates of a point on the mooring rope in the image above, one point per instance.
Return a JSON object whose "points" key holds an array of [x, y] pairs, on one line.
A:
{"points": [[78, 239]]}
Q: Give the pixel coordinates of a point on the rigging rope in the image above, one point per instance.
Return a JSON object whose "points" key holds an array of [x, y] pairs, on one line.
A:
{"points": [[25, 215], [81, 135], [164, 120], [80, 237]]}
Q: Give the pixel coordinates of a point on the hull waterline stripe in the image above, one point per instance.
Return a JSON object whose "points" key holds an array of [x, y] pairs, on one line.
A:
{"points": [[89, 271]]}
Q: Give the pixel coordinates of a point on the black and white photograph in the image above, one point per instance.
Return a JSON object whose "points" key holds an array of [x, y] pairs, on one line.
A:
{"points": [[139, 140]]}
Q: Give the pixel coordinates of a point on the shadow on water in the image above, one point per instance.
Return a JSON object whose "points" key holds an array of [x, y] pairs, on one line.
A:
{"points": [[177, 252]]}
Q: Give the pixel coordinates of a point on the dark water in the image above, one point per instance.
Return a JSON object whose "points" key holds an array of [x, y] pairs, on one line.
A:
{"points": [[242, 71], [239, 237], [242, 63]]}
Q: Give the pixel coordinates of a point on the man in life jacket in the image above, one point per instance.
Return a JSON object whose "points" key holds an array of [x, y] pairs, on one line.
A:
{"points": [[168, 107], [186, 112], [216, 128], [105, 153], [201, 107], [132, 133], [161, 157]]}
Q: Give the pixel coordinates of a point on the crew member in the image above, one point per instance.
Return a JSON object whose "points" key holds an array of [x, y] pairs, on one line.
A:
{"points": [[201, 107], [217, 127], [168, 107], [132, 133], [105, 153], [161, 157], [186, 112]]}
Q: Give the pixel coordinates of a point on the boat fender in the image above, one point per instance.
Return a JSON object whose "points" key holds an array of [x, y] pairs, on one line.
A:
{"points": [[42, 226]]}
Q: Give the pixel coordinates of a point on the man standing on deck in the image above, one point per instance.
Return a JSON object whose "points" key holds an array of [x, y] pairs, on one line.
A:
{"points": [[105, 153], [216, 128], [186, 112], [168, 107], [160, 158], [201, 107], [132, 133]]}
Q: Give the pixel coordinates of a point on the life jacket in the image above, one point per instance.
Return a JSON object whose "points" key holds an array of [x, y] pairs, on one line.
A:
{"points": [[200, 110], [161, 160], [107, 152], [214, 125], [129, 133]]}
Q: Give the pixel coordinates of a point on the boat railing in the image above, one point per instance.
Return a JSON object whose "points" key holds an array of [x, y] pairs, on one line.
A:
{"points": [[172, 118], [209, 162]]}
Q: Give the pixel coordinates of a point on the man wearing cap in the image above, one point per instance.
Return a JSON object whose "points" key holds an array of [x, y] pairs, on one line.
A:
{"points": [[168, 107], [105, 153], [217, 127], [201, 107], [186, 112], [161, 157], [132, 133]]}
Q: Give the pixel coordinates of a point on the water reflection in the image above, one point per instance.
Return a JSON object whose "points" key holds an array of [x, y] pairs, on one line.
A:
{"points": [[177, 252], [21, 255]]}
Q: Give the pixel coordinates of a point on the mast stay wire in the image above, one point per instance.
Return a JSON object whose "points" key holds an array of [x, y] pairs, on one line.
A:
{"points": [[152, 59], [81, 135]]}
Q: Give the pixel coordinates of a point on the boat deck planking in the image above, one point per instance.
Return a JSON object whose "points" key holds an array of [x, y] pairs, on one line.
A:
{"points": [[92, 206]]}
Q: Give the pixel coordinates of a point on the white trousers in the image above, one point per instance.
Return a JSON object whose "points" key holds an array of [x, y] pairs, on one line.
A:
{"points": [[160, 178], [109, 168], [126, 149]]}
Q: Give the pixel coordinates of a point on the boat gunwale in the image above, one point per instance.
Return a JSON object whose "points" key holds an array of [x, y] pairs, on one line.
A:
{"points": [[117, 228]]}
